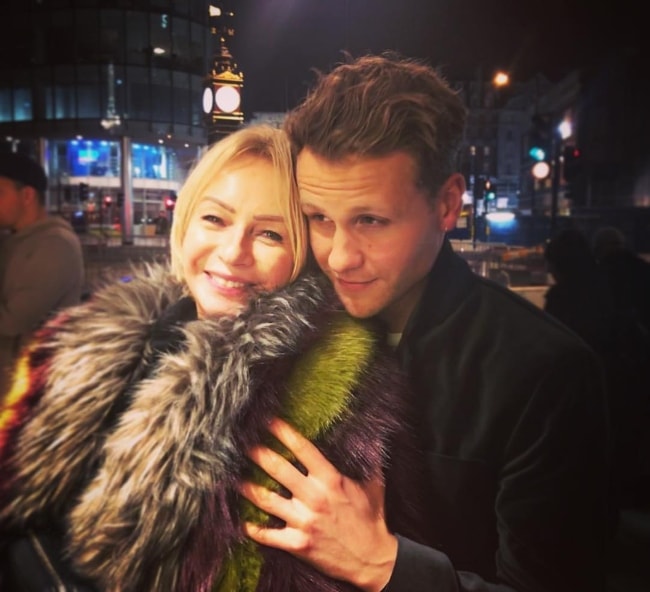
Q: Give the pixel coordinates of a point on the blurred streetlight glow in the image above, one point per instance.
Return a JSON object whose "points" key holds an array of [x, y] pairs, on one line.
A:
{"points": [[541, 170], [501, 217], [565, 129], [501, 78]]}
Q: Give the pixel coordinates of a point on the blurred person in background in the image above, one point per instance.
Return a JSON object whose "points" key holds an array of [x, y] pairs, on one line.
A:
{"points": [[584, 299], [628, 273], [628, 277], [41, 260]]}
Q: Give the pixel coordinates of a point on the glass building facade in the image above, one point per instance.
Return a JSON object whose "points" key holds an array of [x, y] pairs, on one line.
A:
{"points": [[107, 94]]}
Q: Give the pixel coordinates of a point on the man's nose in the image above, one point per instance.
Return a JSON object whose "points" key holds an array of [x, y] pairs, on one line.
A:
{"points": [[345, 252]]}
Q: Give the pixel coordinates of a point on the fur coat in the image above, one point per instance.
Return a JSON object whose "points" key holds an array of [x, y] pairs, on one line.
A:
{"points": [[140, 461]]}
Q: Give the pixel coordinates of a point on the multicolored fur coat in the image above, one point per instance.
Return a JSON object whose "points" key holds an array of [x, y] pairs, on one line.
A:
{"points": [[142, 469]]}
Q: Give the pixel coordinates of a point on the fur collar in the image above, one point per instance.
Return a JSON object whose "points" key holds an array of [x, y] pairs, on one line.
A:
{"points": [[149, 496]]}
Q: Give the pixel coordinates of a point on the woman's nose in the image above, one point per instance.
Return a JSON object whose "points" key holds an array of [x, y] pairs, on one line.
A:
{"points": [[236, 248]]}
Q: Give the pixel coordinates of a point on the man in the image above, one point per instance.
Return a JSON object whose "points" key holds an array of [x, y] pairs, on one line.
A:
{"points": [[41, 262], [511, 409]]}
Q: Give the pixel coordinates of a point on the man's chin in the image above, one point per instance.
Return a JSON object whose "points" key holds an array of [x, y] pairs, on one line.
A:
{"points": [[359, 310]]}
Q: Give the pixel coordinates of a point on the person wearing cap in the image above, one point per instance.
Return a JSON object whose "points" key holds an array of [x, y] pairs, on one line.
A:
{"points": [[41, 260]]}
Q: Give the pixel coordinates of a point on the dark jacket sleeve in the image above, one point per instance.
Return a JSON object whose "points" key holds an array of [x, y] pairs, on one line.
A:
{"points": [[419, 567]]}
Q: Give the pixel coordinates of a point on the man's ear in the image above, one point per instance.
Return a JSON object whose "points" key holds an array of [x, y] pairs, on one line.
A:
{"points": [[450, 198], [29, 195]]}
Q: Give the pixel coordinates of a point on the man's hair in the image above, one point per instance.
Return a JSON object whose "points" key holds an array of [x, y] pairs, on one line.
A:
{"points": [[261, 142], [374, 105]]}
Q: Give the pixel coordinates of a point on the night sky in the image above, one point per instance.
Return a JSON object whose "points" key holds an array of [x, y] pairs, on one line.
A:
{"points": [[279, 42]]}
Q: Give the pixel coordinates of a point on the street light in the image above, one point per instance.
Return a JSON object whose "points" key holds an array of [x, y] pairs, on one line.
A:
{"points": [[500, 78], [541, 169]]}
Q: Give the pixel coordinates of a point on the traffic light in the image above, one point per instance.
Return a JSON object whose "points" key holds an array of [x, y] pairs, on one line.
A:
{"points": [[539, 138], [572, 165], [490, 190], [537, 153], [84, 191], [108, 200], [120, 199], [573, 173], [170, 202]]}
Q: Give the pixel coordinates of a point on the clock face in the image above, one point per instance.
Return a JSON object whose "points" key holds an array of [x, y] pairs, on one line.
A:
{"points": [[207, 100], [227, 98]]}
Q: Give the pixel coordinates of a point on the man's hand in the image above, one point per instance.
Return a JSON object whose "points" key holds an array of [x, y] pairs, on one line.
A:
{"points": [[332, 522]]}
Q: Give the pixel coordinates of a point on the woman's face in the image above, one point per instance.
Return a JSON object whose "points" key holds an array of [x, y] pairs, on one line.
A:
{"points": [[236, 244]]}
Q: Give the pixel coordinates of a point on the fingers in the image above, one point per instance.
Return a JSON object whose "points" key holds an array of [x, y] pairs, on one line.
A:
{"points": [[264, 499], [287, 539], [276, 466], [303, 450]]}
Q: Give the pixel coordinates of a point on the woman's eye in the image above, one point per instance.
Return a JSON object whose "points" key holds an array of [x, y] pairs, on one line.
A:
{"points": [[212, 219], [274, 236]]}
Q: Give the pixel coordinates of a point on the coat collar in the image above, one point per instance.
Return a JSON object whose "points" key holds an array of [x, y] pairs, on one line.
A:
{"points": [[448, 286]]}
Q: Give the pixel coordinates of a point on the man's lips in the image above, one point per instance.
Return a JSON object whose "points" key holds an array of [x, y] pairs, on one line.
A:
{"points": [[353, 285]]}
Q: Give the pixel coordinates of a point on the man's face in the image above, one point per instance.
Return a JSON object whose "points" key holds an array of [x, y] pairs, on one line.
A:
{"points": [[12, 204], [373, 231]]}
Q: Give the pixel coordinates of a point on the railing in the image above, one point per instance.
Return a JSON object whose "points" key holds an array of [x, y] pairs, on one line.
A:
{"points": [[521, 269]]}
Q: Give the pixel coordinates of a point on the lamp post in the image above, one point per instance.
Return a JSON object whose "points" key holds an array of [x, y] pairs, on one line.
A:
{"points": [[486, 100], [555, 179]]}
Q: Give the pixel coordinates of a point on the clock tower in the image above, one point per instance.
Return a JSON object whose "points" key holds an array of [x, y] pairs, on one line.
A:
{"points": [[222, 90]]}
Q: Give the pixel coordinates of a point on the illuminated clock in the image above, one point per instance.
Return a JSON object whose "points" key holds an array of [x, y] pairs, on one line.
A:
{"points": [[227, 99], [207, 99]]}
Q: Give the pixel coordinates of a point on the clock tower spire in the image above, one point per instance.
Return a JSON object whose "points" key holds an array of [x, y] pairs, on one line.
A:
{"points": [[222, 90]]}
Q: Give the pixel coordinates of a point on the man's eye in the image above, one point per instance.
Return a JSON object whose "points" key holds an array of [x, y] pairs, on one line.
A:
{"points": [[368, 220], [316, 217]]}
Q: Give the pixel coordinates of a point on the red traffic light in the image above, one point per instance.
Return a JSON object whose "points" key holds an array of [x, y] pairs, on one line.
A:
{"points": [[108, 200], [169, 203]]}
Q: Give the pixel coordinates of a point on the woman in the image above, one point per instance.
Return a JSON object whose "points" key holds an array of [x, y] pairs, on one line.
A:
{"points": [[126, 427]]}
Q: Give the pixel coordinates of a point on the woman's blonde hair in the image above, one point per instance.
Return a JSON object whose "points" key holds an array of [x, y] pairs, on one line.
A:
{"points": [[256, 141]]}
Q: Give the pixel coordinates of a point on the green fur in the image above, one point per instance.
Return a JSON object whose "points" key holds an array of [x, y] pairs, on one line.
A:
{"points": [[318, 395], [321, 383], [242, 570]]}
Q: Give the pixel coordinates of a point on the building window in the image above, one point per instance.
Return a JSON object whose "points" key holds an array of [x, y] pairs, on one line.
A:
{"points": [[137, 38], [22, 102], [161, 39], [182, 98], [88, 86], [111, 36], [88, 158], [161, 93], [6, 111], [150, 162], [139, 106]]}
